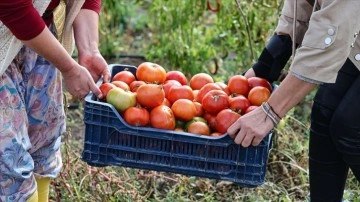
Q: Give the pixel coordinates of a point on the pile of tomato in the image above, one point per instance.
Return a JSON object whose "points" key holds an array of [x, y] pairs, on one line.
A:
{"points": [[169, 100]]}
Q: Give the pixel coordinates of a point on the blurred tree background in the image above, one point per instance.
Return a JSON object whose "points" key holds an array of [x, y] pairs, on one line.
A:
{"points": [[186, 35]]}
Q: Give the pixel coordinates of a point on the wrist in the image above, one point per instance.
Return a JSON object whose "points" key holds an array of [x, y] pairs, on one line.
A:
{"points": [[270, 113], [67, 66]]}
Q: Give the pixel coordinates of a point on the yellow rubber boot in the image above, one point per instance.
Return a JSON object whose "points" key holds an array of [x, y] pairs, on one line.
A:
{"points": [[33, 197], [43, 186]]}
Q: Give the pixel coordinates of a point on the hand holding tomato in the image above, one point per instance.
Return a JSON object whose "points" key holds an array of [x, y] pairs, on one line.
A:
{"points": [[251, 128]]}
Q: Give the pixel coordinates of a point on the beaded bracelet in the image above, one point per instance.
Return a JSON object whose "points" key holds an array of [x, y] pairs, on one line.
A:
{"points": [[269, 111]]}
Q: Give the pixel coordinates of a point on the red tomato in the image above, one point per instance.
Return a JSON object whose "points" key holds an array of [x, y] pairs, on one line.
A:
{"points": [[239, 84], [206, 88], [184, 109], [124, 76], [257, 81], [135, 85], [121, 85], [214, 101], [199, 109], [210, 119], [105, 87], [151, 73], [198, 127], [137, 116], [180, 92], [195, 92], [224, 87], [176, 75], [224, 119], [258, 95], [162, 117], [150, 95], [251, 108], [239, 103], [166, 102], [199, 80], [168, 84]]}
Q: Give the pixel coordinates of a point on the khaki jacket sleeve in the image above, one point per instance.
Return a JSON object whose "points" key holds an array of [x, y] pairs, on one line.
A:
{"points": [[286, 20], [328, 40]]}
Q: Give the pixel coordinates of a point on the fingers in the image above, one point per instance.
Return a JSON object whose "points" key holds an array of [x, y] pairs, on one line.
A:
{"points": [[256, 141], [250, 73], [234, 129], [95, 89], [106, 75]]}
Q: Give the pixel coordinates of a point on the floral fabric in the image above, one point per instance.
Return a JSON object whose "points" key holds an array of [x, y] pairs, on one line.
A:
{"points": [[32, 120]]}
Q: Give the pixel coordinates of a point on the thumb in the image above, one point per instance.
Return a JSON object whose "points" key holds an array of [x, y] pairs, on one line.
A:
{"points": [[95, 89], [106, 75]]}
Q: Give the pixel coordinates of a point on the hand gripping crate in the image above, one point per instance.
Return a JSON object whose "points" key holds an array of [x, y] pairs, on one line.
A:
{"points": [[110, 141]]}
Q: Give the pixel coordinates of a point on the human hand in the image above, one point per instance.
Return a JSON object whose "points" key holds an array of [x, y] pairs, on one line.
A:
{"points": [[79, 82], [251, 128], [250, 73], [96, 65]]}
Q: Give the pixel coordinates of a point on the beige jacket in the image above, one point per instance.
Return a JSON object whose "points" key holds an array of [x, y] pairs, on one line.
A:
{"points": [[327, 34], [10, 45]]}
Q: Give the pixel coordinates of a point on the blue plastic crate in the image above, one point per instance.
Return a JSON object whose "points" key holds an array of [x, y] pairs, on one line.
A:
{"points": [[110, 141]]}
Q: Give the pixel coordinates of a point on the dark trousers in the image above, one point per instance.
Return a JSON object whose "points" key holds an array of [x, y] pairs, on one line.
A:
{"points": [[335, 135]]}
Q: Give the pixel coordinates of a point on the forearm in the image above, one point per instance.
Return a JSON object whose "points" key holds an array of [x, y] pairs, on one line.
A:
{"points": [[286, 97], [49, 47], [86, 32]]}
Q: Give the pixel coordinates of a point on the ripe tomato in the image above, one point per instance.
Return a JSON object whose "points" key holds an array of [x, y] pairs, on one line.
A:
{"points": [[223, 86], [166, 102], [239, 84], [168, 84], [198, 127], [124, 76], [105, 87], [199, 80], [179, 129], [137, 116], [239, 103], [224, 119], [180, 92], [199, 109], [210, 119], [135, 85], [214, 101], [206, 88], [162, 117], [251, 108], [195, 92], [184, 109], [121, 85], [151, 73], [196, 118], [257, 81], [258, 95], [216, 134], [176, 75], [150, 95]]}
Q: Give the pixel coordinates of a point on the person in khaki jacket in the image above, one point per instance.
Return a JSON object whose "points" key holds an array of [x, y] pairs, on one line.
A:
{"points": [[32, 61], [328, 55]]}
